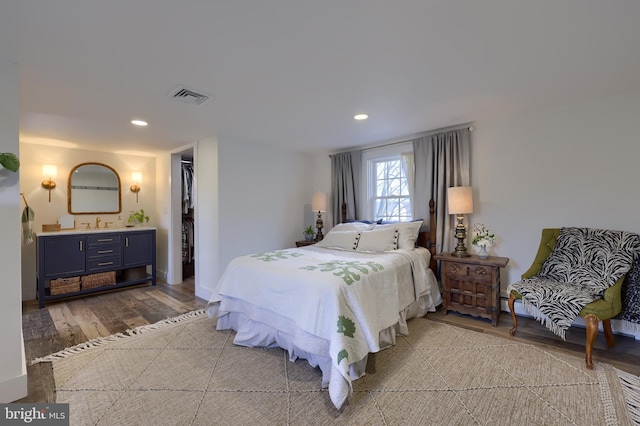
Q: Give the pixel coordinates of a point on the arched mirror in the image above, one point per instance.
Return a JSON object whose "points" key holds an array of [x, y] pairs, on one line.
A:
{"points": [[94, 188]]}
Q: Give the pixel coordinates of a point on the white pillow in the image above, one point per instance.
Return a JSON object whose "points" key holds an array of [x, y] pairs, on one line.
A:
{"points": [[408, 233], [344, 240], [353, 226], [378, 240]]}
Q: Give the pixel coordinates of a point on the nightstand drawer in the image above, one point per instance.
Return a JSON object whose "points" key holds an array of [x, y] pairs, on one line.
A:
{"points": [[460, 271]]}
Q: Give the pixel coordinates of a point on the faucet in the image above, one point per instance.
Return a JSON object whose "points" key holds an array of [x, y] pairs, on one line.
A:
{"points": [[98, 222]]}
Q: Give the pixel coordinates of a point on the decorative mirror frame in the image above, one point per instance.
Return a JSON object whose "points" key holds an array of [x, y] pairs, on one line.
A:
{"points": [[119, 210]]}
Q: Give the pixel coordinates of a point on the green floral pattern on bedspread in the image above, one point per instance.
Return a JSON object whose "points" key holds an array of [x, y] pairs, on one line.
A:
{"points": [[347, 327], [348, 271], [275, 255]]}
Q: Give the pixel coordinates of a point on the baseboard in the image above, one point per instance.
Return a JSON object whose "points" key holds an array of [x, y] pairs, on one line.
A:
{"points": [[618, 327], [203, 293], [13, 389]]}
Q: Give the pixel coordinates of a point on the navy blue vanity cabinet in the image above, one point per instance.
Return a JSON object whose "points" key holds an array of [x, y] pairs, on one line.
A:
{"points": [[139, 249], [104, 252], [68, 257], [63, 256]]}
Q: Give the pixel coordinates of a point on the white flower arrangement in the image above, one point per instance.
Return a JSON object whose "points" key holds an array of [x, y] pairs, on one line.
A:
{"points": [[482, 237]]}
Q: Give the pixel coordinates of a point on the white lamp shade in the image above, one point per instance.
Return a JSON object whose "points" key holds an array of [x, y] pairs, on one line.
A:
{"points": [[136, 177], [49, 171], [460, 200], [319, 201]]}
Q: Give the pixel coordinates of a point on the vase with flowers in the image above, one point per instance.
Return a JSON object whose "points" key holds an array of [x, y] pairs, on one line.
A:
{"points": [[483, 239]]}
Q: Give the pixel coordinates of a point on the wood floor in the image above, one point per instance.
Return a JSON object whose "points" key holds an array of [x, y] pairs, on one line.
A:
{"points": [[67, 323]]}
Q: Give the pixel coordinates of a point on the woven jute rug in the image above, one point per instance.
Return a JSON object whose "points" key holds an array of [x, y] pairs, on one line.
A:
{"points": [[183, 372]]}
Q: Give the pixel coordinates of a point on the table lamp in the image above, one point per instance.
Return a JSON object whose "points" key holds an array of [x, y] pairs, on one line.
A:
{"points": [[460, 202], [319, 204]]}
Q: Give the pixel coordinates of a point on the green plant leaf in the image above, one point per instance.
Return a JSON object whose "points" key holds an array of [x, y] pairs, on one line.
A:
{"points": [[9, 161], [138, 216]]}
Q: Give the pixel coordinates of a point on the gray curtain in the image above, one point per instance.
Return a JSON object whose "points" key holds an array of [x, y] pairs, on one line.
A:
{"points": [[345, 184], [441, 161]]}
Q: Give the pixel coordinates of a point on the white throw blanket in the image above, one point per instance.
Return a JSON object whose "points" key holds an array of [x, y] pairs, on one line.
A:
{"points": [[345, 298]]}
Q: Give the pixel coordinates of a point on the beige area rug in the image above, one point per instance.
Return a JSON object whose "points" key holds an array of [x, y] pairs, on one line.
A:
{"points": [[184, 372]]}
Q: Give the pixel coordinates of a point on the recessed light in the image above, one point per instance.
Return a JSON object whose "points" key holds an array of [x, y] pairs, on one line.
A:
{"points": [[139, 122], [361, 116]]}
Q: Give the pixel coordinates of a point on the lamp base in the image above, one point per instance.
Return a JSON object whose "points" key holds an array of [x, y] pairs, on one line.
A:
{"points": [[319, 226], [462, 253], [461, 236]]}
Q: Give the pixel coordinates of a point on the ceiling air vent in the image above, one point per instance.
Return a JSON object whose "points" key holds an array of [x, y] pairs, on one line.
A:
{"points": [[189, 96]]}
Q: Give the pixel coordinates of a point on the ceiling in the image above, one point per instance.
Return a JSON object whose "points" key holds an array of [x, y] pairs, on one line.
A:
{"points": [[293, 73]]}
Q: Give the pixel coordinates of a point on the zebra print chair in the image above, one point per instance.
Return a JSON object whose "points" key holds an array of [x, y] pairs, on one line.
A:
{"points": [[602, 309]]}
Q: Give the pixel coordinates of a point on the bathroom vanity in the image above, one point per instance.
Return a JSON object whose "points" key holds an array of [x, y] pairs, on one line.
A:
{"points": [[117, 258]]}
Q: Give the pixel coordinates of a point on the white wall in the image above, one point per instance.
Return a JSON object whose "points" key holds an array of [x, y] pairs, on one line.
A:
{"points": [[264, 197], [208, 242], [321, 181], [163, 215], [13, 375], [33, 156], [573, 165]]}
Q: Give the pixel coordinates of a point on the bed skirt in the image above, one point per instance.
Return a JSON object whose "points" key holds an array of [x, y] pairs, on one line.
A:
{"points": [[258, 327]]}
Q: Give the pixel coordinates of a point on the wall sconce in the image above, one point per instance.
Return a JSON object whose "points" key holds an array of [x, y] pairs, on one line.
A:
{"points": [[460, 202], [49, 172], [319, 204], [136, 177]]}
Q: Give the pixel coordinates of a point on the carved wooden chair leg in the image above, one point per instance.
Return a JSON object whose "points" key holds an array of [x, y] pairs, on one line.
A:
{"points": [[592, 331], [608, 333], [512, 300]]}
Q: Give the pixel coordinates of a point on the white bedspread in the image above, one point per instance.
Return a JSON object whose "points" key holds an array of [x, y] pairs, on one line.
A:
{"points": [[338, 301]]}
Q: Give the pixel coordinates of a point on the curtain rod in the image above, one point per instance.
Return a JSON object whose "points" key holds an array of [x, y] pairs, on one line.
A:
{"points": [[411, 138]]}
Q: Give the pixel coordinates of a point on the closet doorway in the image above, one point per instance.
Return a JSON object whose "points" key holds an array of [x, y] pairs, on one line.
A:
{"points": [[183, 213], [188, 205]]}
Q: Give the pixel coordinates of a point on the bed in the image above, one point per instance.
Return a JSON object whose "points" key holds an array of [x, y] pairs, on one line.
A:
{"points": [[334, 302]]}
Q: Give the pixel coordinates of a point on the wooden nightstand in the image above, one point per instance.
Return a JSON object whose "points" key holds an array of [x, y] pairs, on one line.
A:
{"points": [[304, 243], [471, 285]]}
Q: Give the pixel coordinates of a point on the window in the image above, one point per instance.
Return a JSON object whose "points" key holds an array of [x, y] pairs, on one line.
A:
{"points": [[385, 190], [391, 200]]}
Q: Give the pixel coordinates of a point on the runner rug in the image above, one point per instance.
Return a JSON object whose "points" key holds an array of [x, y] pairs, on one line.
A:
{"points": [[183, 372]]}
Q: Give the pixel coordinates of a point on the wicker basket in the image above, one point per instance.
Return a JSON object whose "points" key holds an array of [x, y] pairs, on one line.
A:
{"points": [[98, 280], [50, 227], [64, 285]]}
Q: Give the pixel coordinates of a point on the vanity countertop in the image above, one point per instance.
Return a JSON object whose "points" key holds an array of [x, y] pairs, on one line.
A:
{"points": [[93, 231]]}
